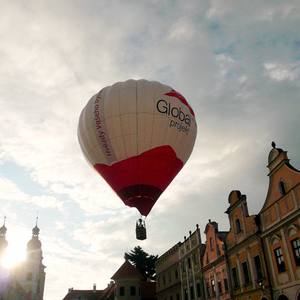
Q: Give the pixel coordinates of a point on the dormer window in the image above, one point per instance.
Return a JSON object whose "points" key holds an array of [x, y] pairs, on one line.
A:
{"points": [[282, 188], [238, 226]]}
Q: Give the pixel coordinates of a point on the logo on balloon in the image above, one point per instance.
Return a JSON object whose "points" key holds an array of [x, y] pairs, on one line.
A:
{"points": [[183, 121]]}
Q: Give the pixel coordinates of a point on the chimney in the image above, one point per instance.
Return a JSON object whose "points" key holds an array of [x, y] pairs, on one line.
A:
{"points": [[94, 287]]}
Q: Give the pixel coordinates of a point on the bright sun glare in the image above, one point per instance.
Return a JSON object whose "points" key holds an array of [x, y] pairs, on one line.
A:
{"points": [[15, 252]]}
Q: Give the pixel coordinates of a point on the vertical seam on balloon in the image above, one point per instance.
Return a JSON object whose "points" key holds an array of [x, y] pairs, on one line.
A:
{"points": [[137, 132], [121, 127], [153, 114], [168, 128]]}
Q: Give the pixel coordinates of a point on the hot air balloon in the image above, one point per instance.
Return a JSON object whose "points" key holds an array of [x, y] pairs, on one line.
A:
{"points": [[137, 135]]}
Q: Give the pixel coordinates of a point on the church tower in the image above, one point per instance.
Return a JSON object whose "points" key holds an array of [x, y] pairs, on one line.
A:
{"points": [[3, 241], [34, 280]]}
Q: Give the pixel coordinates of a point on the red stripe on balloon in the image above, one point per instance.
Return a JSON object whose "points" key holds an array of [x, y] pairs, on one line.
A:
{"points": [[177, 95], [139, 180]]}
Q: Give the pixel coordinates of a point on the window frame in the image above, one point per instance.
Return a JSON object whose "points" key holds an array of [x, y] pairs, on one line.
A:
{"points": [[279, 258], [246, 273], [296, 250], [235, 278]]}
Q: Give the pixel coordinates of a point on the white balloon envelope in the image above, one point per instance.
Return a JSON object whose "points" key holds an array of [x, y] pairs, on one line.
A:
{"points": [[137, 134]]}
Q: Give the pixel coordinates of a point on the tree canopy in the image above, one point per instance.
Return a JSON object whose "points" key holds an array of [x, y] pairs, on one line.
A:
{"points": [[143, 261]]}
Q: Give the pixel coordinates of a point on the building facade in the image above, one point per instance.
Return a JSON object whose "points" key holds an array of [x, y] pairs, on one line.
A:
{"points": [[178, 271], [168, 282], [245, 252], [259, 258], [27, 280], [215, 275], [280, 226], [128, 284]]}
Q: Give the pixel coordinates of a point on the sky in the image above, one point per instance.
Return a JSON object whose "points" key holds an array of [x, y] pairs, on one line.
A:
{"points": [[236, 62]]}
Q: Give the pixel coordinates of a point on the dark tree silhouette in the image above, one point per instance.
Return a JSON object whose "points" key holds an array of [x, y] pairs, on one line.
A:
{"points": [[144, 262]]}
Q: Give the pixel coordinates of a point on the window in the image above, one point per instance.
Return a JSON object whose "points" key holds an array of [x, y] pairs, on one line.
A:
{"points": [[171, 297], [213, 287], [189, 262], [238, 226], [226, 284], [164, 280], [208, 290], [246, 273], [29, 276], [296, 250], [211, 244], [235, 278], [198, 290], [220, 287], [192, 292], [122, 291], [282, 188], [177, 297], [186, 294], [176, 274], [195, 260], [279, 260], [132, 291], [258, 269]]}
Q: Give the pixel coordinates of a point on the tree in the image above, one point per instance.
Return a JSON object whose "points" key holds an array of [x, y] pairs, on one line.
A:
{"points": [[144, 262]]}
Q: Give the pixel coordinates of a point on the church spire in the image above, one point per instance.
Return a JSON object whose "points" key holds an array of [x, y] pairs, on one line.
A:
{"points": [[36, 230], [34, 243], [3, 241], [3, 229]]}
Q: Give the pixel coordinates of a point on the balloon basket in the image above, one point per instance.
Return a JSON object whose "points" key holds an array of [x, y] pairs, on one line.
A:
{"points": [[140, 230]]}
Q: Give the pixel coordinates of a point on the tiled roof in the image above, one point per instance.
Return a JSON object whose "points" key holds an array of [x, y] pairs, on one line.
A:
{"points": [[89, 294], [127, 270]]}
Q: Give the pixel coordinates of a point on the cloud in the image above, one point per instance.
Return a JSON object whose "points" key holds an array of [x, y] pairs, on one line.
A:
{"points": [[280, 72], [238, 66], [10, 192]]}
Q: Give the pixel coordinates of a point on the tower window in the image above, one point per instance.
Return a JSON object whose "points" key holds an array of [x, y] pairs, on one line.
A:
{"points": [[279, 260], [29, 276], [296, 250], [211, 244], [238, 226], [282, 188]]}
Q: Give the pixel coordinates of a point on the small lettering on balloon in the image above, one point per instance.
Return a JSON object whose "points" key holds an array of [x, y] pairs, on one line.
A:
{"points": [[99, 128], [179, 126]]}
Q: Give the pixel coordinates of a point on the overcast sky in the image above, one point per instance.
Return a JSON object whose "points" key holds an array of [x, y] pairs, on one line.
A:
{"points": [[238, 65]]}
